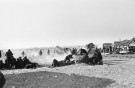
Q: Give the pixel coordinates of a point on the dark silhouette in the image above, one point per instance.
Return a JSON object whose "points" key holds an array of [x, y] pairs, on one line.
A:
{"points": [[55, 63], [40, 53], [82, 52], [2, 80], [19, 63], [96, 58], [48, 52], [1, 64], [0, 54], [67, 59], [90, 46], [31, 65], [26, 61], [10, 61], [82, 56], [9, 54], [74, 51], [23, 53]]}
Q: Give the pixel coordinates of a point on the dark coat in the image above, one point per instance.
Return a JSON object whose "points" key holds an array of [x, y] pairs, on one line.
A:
{"points": [[2, 80]]}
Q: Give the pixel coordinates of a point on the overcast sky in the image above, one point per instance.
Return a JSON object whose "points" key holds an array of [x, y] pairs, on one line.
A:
{"points": [[39, 23]]}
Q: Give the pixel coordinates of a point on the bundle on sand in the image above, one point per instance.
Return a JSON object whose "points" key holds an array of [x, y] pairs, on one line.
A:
{"points": [[2, 80]]}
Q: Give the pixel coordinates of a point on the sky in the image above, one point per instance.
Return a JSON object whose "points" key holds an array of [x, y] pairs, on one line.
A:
{"points": [[44, 23]]}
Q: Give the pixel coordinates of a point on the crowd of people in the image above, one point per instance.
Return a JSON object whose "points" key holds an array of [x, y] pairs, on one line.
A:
{"points": [[90, 56], [13, 63]]}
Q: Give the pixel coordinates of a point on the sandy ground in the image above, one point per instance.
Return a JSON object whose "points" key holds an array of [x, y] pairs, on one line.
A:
{"points": [[120, 69], [44, 79]]}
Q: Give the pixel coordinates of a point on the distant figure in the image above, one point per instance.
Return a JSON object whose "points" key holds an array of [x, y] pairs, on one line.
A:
{"points": [[110, 49], [48, 52], [54, 51], [40, 52], [2, 80], [23, 53]]}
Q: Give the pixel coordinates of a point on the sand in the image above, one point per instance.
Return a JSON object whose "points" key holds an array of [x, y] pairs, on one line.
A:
{"points": [[116, 68]]}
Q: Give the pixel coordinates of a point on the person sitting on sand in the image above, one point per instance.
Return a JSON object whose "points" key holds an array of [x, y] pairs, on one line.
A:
{"points": [[55, 63], [67, 59], [96, 58], [1, 64]]}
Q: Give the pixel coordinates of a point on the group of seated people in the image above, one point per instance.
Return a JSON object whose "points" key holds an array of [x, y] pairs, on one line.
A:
{"points": [[19, 63], [81, 56]]}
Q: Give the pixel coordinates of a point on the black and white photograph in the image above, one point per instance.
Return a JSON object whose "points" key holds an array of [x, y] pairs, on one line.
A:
{"points": [[67, 43]]}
